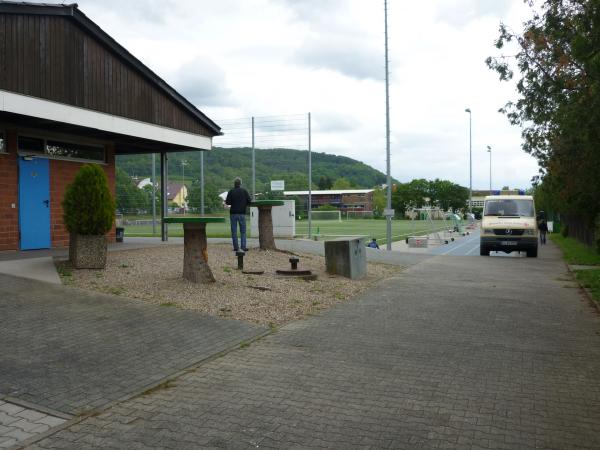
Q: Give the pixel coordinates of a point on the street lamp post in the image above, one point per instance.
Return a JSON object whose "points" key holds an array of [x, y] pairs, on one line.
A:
{"points": [[468, 110], [489, 150]]}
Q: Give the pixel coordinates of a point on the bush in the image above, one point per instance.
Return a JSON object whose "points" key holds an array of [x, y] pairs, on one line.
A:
{"points": [[89, 207], [564, 231]]}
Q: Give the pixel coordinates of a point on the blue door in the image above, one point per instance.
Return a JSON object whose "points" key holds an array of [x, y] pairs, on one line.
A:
{"points": [[34, 203]]}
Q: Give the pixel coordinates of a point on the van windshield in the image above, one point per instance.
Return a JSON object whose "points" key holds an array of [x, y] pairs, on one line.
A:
{"points": [[509, 207]]}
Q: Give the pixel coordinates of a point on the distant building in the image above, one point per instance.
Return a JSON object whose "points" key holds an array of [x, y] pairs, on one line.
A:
{"points": [[359, 200], [145, 182], [479, 196], [177, 193]]}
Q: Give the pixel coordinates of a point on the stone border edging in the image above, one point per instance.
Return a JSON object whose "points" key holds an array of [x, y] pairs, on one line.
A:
{"points": [[585, 291]]}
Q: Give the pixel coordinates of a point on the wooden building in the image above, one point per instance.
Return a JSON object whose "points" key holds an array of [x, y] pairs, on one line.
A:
{"points": [[70, 94]]}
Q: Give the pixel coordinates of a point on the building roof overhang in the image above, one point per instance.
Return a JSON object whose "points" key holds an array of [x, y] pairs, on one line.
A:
{"points": [[72, 11], [128, 136]]}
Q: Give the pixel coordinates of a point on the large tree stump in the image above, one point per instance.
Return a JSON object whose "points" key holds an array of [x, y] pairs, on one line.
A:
{"points": [[195, 254], [266, 241]]}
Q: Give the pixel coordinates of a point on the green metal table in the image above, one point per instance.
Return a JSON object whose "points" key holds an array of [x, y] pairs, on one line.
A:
{"points": [[195, 252], [265, 222]]}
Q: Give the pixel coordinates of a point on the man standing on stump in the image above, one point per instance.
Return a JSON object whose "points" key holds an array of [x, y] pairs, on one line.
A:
{"points": [[239, 199]]}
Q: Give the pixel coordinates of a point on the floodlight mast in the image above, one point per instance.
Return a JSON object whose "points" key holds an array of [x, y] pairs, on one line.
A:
{"points": [[468, 110], [489, 150], [388, 217]]}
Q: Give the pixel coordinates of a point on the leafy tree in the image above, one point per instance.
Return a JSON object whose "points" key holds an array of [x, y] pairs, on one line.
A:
{"points": [[342, 183], [558, 103], [212, 201], [325, 183], [447, 195], [379, 201], [419, 192], [128, 196]]}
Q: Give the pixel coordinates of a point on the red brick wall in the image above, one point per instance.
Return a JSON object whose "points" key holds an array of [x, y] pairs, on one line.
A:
{"points": [[9, 216], [62, 174]]}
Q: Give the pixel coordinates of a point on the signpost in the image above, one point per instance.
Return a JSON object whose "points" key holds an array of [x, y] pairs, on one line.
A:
{"points": [[277, 185]]}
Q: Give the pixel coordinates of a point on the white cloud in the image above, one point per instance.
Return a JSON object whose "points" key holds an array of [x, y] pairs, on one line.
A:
{"points": [[240, 58]]}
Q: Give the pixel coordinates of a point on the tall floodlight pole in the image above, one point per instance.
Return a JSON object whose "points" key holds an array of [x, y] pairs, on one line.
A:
{"points": [[489, 150], [253, 164], [201, 182], [309, 180], [387, 136], [153, 194], [468, 110]]}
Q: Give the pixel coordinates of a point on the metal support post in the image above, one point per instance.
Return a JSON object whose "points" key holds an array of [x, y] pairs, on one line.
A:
{"points": [[163, 193], [253, 164], [153, 194], [309, 180], [202, 182], [387, 137]]}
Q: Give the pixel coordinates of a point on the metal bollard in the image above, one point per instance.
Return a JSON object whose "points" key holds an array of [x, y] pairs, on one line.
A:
{"points": [[240, 257], [294, 261]]}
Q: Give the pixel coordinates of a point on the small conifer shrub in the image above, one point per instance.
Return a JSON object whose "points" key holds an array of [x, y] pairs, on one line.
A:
{"points": [[88, 206]]}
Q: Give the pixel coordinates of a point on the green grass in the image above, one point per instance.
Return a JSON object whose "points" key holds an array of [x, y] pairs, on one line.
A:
{"points": [[326, 229], [575, 252], [591, 280]]}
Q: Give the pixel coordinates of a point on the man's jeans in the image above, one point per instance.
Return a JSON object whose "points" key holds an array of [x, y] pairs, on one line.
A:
{"points": [[234, 219]]}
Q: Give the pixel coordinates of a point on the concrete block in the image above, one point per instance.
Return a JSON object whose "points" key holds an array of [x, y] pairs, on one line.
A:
{"points": [[418, 242], [346, 257]]}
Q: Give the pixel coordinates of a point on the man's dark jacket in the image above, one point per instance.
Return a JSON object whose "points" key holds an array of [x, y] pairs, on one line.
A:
{"points": [[239, 199]]}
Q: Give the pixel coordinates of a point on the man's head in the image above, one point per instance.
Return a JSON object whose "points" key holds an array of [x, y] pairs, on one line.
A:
{"points": [[237, 182]]}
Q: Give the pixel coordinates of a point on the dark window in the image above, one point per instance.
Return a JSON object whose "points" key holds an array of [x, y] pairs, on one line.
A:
{"points": [[2, 142], [31, 145], [61, 149], [509, 207], [76, 151]]}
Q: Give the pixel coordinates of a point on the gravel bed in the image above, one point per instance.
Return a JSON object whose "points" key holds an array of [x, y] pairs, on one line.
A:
{"points": [[155, 275]]}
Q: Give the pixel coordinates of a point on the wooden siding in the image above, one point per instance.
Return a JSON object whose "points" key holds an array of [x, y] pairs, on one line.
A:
{"points": [[51, 57]]}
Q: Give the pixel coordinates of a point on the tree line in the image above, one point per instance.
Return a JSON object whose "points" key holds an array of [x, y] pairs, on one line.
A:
{"points": [[558, 106]]}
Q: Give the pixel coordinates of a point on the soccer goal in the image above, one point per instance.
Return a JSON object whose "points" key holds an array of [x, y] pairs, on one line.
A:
{"points": [[351, 214], [327, 215]]}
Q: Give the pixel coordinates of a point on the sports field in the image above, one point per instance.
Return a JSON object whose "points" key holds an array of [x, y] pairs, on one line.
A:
{"points": [[325, 229], [372, 228]]}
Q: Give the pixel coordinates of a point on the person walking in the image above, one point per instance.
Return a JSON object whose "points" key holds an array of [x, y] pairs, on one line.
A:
{"points": [[239, 199], [543, 227]]}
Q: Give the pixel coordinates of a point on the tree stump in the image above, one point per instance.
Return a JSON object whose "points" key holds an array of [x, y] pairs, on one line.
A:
{"points": [[266, 240], [195, 254]]}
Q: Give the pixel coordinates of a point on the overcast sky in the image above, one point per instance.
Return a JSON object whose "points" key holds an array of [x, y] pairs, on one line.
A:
{"points": [[241, 58]]}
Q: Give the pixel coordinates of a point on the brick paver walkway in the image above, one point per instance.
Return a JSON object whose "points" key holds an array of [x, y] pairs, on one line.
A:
{"points": [[72, 351], [468, 352], [18, 423]]}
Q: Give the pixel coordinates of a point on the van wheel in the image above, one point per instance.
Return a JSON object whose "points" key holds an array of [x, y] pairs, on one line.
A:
{"points": [[532, 253], [483, 251]]}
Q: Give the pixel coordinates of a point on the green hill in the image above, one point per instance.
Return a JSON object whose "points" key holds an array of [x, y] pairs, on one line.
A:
{"points": [[222, 165]]}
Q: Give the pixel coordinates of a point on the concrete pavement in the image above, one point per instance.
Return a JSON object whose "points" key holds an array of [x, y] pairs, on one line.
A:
{"points": [[471, 353]]}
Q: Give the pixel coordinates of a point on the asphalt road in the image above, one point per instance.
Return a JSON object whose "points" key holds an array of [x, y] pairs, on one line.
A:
{"points": [[469, 246]]}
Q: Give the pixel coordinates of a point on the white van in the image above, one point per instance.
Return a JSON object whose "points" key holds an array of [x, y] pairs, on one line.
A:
{"points": [[509, 224]]}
